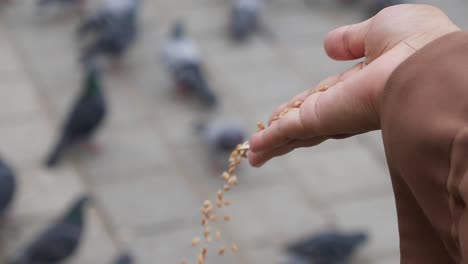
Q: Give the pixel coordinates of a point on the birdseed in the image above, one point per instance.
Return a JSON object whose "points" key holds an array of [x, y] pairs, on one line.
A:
{"points": [[221, 251], [208, 209], [296, 104], [234, 248], [195, 241], [213, 219], [260, 126]]}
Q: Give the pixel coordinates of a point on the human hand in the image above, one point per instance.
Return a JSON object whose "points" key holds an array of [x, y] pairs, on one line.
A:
{"points": [[351, 104]]}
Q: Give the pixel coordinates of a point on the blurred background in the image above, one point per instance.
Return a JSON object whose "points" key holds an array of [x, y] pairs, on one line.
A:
{"points": [[151, 164]]}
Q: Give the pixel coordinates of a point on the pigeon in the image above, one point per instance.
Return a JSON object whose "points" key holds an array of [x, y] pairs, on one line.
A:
{"points": [[221, 136], [79, 5], [59, 240], [114, 28], [244, 18], [183, 61], [375, 6], [86, 116], [124, 258], [60, 2], [327, 248], [7, 187]]}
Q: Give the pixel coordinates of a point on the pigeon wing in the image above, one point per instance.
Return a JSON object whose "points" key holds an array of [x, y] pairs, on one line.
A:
{"points": [[55, 244], [85, 117]]}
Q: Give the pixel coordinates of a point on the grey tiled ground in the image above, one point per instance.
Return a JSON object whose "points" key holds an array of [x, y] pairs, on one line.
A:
{"points": [[152, 172]]}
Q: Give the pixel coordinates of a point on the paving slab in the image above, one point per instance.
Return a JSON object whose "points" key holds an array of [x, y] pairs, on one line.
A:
{"points": [[378, 217], [343, 172], [152, 199]]}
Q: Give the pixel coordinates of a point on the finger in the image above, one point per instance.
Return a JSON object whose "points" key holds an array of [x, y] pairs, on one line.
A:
{"points": [[279, 133], [352, 106], [258, 159], [328, 82], [347, 42]]}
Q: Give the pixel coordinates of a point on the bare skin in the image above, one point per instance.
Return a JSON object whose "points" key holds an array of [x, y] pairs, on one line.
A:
{"points": [[351, 104]]}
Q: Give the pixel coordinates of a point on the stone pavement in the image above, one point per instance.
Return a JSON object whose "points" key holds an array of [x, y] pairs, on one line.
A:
{"points": [[151, 176]]}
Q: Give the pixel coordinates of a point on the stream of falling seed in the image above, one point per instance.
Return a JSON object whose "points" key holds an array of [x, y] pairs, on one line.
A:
{"points": [[208, 208]]}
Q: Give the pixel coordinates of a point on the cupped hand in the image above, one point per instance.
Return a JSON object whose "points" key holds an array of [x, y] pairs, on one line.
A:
{"points": [[349, 103]]}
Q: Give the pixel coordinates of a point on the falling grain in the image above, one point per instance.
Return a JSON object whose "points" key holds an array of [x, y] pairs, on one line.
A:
{"points": [[234, 248], [221, 251], [195, 241], [260, 126]]}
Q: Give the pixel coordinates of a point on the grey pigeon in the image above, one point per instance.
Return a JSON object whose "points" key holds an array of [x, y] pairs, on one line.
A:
{"points": [[183, 61], [87, 114], [59, 240], [7, 187], [244, 18], [221, 136], [58, 5], [59, 2], [114, 28], [375, 6], [123, 258], [327, 248]]}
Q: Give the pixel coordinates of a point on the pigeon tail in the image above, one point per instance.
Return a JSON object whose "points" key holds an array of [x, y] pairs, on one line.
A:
{"points": [[57, 153], [90, 54], [207, 96], [204, 91]]}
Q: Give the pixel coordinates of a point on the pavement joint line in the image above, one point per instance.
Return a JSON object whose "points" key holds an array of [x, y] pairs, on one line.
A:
{"points": [[35, 80]]}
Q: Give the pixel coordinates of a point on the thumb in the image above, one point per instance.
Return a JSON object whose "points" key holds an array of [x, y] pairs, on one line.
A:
{"points": [[347, 42]]}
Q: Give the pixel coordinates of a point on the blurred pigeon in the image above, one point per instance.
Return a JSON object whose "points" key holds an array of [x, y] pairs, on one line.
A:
{"points": [[7, 187], [221, 137], [327, 248], [79, 5], [114, 28], [182, 59], [59, 241], [85, 117], [244, 18], [124, 258], [60, 2], [375, 6]]}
